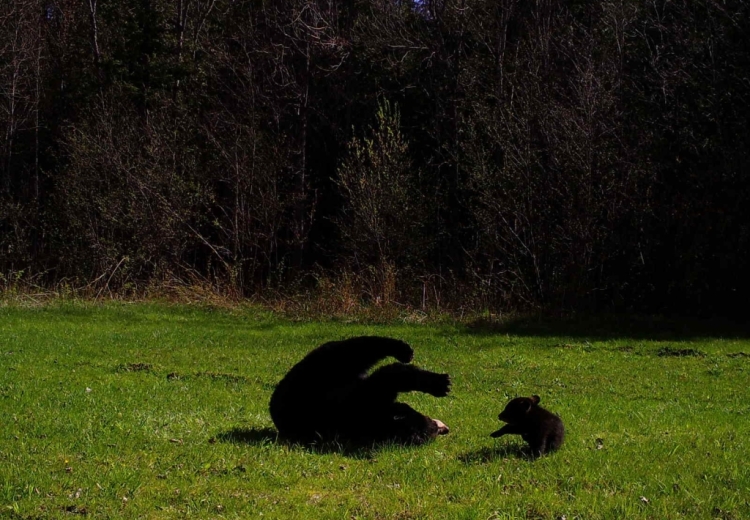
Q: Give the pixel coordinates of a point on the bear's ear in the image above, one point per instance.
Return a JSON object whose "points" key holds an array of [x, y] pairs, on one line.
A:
{"points": [[535, 399]]}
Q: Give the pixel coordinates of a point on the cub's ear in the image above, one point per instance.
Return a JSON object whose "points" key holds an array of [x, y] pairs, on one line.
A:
{"points": [[535, 399]]}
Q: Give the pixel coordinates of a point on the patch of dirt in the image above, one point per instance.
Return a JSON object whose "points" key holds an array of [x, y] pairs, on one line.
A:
{"points": [[679, 352], [76, 510], [214, 376], [134, 367]]}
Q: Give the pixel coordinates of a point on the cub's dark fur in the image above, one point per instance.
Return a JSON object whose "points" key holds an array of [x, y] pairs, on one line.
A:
{"points": [[542, 429], [329, 395]]}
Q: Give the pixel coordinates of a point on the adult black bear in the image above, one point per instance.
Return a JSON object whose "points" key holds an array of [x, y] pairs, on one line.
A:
{"points": [[329, 395], [542, 429]]}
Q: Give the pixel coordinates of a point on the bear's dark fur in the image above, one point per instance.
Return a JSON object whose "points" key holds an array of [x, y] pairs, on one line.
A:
{"points": [[328, 395], [542, 429]]}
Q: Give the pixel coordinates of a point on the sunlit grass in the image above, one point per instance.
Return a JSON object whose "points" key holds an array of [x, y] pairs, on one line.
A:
{"points": [[151, 411]]}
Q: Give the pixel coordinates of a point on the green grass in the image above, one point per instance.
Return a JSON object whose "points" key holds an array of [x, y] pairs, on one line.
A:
{"points": [[152, 411]]}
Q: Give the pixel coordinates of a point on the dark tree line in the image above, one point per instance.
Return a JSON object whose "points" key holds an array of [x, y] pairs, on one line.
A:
{"points": [[589, 155]]}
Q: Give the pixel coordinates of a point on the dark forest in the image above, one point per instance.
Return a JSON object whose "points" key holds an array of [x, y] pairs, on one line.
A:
{"points": [[486, 154]]}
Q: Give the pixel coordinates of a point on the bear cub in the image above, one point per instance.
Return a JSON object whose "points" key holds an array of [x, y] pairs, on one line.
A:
{"points": [[540, 428]]}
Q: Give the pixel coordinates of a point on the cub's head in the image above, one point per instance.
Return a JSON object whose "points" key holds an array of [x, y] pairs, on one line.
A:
{"points": [[517, 408]]}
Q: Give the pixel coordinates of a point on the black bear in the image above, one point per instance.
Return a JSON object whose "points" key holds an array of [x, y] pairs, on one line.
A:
{"points": [[542, 429], [329, 395]]}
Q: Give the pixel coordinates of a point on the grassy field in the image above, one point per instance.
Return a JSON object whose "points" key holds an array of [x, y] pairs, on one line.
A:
{"points": [[152, 411]]}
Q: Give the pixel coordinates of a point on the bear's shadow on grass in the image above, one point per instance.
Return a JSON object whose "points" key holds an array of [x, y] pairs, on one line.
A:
{"points": [[254, 436], [606, 327], [490, 454], [268, 436]]}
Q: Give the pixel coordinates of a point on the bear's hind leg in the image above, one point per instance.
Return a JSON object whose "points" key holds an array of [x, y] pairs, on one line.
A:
{"points": [[355, 356]]}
